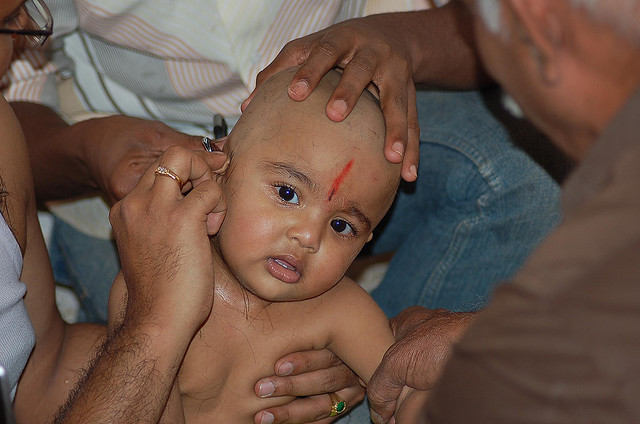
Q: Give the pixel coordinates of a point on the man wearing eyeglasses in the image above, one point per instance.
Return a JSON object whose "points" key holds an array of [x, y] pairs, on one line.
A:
{"points": [[32, 20]]}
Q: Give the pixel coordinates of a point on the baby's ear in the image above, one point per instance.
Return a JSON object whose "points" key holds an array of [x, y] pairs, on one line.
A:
{"points": [[219, 173], [370, 237]]}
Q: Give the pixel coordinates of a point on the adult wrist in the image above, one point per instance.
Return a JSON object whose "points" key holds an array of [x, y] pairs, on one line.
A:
{"points": [[80, 135], [154, 335]]}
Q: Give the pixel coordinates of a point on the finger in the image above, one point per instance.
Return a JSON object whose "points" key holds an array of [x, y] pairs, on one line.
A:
{"points": [[412, 155], [407, 318], [309, 383], [158, 137], [327, 53], [357, 75], [195, 142], [312, 409], [310, 360], [163, 184], [118, 188], [219, 143], [292, 54], [394, 104], [383, 390], [181, 168], [207, 199]]}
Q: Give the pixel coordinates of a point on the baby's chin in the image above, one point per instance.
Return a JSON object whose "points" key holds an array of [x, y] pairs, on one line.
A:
{"points": [[285, 293]]}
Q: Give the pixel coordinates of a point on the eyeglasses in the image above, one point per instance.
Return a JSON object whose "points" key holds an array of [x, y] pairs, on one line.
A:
{"points": [[32, 19]]}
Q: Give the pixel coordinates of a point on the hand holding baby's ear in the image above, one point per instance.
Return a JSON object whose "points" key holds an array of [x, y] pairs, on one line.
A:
{"points": [[162, 229]]}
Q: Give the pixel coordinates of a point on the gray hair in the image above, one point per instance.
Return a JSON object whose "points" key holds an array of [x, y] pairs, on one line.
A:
{"points": [[624, 15]]}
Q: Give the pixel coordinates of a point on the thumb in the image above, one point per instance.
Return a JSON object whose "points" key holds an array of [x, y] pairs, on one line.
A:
{"points": [[215, 217], [383, 391]]}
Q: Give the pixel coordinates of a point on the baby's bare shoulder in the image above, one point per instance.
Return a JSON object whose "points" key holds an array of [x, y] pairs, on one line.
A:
{"points": [[348, 291], [345, 300]]}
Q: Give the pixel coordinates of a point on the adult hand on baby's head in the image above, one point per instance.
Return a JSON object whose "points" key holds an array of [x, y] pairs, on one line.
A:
{"points": [[118, 149], [310, 376], [368, 50], [163, 240], [424, 339]]}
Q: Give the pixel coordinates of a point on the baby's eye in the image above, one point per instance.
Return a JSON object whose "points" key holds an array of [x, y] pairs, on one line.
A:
{"points": [[342, 227], [288, 194]]}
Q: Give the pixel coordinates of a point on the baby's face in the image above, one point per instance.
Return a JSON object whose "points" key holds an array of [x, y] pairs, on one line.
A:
{"points": [[304, 195]]}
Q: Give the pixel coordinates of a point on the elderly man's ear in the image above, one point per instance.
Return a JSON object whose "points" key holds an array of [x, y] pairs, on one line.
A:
{"points": [[539, 24]]}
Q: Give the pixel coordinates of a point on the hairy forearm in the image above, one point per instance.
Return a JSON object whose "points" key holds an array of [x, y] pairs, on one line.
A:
{"points": [[55, 153], [443, 48], [129, 380]]}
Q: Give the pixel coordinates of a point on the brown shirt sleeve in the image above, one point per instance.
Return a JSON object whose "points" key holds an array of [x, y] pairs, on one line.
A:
{"points": [[561, 343], [573, 357]]}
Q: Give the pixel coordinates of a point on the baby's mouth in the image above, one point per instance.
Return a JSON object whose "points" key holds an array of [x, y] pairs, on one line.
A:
{"points": [[284, 269], [285, 264]]}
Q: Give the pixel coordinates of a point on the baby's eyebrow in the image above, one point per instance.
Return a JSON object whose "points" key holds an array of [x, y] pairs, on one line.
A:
{"points": [[354, 210], [289, 170]]}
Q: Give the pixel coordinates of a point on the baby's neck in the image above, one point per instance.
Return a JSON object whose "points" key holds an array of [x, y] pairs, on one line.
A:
{"points": [[228, 290]]}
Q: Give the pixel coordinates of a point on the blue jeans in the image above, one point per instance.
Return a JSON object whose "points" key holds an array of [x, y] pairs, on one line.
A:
{"points": [[86, 264], [479, 207]]}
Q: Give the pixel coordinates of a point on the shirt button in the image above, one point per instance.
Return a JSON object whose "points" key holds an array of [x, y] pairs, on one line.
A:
{"points": [[65, 73]]}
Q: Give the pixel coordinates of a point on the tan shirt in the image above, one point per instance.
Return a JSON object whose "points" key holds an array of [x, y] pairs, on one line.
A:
{"points": [[561, 343]]}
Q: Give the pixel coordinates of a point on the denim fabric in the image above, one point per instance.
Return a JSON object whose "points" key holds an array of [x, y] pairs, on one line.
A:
{"points": [[479, 207], [86, 264]]}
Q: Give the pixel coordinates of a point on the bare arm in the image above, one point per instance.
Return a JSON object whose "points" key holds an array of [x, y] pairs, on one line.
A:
{"points": [[130, 380], [444, 48], [105, 155], [367, 326], [60, 350], [163, 240], [173, 411]]}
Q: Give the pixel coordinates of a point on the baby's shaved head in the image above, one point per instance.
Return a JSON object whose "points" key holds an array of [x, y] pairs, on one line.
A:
{"points": [[272, 106], [340, 156]]}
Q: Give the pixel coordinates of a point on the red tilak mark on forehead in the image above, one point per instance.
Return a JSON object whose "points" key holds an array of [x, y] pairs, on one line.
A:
{"points": [[340, 178]]}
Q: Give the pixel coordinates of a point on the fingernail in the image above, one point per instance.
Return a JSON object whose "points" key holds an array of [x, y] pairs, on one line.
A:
{"points": [[376, 418], [266, 389], [299, 89], [218, 144], [267, 418], [340, 107], [285, 369], [398, 147], [413, 170]]}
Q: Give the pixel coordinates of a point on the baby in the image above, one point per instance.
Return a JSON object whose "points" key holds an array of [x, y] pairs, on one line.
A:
{"points": [[303, 196]]}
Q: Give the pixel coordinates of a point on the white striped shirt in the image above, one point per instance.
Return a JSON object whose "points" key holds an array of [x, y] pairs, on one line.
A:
{"points": [[175, 61]]}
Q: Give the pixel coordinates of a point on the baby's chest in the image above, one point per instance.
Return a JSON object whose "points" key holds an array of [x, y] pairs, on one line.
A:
{"points": [[232, 352]]}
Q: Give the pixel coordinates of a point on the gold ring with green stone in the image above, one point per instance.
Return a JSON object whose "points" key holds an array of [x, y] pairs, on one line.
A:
{"points": [[338, 405]]}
